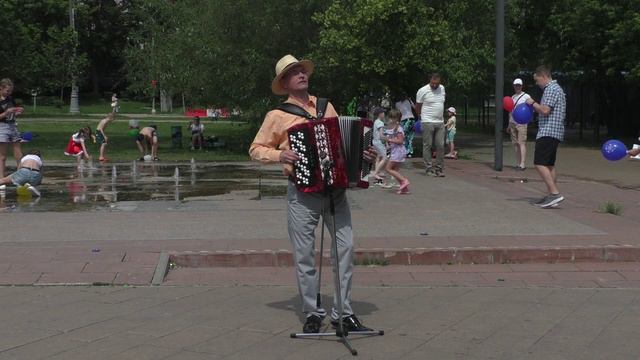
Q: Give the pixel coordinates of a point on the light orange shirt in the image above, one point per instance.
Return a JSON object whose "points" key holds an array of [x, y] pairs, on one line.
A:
{"points": [[272, 137]]}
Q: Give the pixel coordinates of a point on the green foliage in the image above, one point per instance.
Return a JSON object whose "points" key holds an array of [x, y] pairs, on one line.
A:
{"points": [[611, 207], [372, 44], [222, 53]]}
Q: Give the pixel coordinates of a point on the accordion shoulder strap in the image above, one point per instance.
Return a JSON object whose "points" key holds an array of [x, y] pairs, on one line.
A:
{"points": [[297, 110]]}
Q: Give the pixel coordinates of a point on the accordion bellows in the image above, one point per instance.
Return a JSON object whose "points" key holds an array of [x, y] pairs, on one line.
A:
{"points": [[331, 153]]}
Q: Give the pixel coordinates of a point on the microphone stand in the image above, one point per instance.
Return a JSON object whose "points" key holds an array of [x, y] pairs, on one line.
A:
{"points": [[340, 332]]}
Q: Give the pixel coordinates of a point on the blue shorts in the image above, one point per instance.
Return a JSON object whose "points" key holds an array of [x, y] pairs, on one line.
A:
{"points": [[24, 175], [9, 133], [451, 135]]}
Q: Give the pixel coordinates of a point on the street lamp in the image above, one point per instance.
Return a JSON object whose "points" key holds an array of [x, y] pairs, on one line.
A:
{"points": [[499, 83], [34, 93], [74, 105]]}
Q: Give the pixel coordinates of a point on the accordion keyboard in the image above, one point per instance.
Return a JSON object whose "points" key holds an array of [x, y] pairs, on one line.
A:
{"points": [[303, 167]]}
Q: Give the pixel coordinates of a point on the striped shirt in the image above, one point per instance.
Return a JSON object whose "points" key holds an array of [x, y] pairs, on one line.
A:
{"points": [[552, 125]]}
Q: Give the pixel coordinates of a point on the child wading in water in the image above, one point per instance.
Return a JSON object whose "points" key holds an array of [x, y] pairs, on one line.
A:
{"points": [[77, 147], [101, 137], [29, 173], [395, 137]]}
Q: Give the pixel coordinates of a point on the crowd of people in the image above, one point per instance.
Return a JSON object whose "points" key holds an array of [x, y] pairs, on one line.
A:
{"points": [[393, 130]]}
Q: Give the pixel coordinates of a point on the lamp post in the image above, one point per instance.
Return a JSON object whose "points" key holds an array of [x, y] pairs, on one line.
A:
{"points": [[34, 94], [74, 105], [499, 82]]}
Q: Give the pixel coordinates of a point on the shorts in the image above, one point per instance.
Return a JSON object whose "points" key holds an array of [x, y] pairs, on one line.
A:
{"points": [[518, 133], [546, 149], [100, 137], [9, 133], [380, 149], [24, 175], [451, 134]]}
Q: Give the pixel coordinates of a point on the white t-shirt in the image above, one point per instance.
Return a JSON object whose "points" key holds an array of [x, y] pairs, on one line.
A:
{"points": [[378, 130], [405, 108], [35, 158], [196, 127], [432, 104], [451, 124], [517, 100], [77, 138]]}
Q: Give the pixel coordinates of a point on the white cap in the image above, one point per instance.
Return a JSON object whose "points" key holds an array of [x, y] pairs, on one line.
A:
{"points": [[452, 110], [517, 81]]}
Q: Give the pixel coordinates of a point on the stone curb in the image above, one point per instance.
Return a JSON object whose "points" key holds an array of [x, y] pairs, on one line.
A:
{"points": [[417, 256]]}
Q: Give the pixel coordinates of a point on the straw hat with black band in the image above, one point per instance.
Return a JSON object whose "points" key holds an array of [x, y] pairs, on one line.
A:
{"points": [[282, 66]]}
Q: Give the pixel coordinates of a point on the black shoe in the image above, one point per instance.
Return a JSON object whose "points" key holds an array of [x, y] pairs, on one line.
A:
{"points": [[351, 324], [312, 325]]}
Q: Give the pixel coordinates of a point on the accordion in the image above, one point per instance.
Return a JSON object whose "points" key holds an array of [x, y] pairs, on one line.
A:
{"points": [[330, 151]]}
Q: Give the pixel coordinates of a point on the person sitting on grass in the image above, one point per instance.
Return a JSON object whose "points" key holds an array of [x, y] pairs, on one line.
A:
{"points": [[101, 138], [148, 138], [197, 133], [28, 173], [77, 147]]}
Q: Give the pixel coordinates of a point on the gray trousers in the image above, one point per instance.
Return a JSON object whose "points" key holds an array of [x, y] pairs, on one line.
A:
{"points": [[303, 213], [429, 132]]}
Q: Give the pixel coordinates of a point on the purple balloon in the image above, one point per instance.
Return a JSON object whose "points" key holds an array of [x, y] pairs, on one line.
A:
{"points": [[614, 150], [522, 114]]}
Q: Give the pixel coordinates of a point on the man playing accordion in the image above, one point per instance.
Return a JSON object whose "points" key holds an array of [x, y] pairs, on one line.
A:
{"points": [[304, 209]]}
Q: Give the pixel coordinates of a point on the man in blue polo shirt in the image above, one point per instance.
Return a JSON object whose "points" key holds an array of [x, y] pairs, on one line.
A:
{"points": [[552, 111]]}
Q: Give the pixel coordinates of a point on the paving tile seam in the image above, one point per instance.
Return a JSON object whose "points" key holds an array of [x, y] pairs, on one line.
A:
{"points": [[567, 315]]}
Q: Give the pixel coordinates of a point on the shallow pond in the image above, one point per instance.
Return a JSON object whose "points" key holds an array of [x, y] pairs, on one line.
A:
{"points": [[98, 187]]}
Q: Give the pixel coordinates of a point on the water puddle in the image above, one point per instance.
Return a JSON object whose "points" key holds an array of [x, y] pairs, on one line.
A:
{"points": [[102, 187]]}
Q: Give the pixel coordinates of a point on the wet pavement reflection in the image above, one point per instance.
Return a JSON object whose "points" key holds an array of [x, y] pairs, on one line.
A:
{"points": [[100, 187]]}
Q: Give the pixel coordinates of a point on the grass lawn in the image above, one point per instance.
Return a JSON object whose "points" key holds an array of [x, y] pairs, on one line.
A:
{"points": [[51, 137], [92, 106]]}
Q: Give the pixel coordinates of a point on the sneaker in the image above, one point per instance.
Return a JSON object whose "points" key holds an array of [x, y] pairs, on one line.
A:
{"points": [[430, 172], [439, 173], [404, 185], [32, 189], [541, 201], [409, 155], [552, 200], [3, 186], [351, 324], [312, 325], [404, 191], [520, 168], [386, 186]]}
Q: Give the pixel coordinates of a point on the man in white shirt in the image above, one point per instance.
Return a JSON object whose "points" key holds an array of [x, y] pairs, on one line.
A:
{"points": [[430, 106], [518, 132]]}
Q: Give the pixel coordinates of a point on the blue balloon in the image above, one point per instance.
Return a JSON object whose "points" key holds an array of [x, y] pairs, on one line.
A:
{"points": [[27, 136], [417, 127], [614, 150], [522, 114]]}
